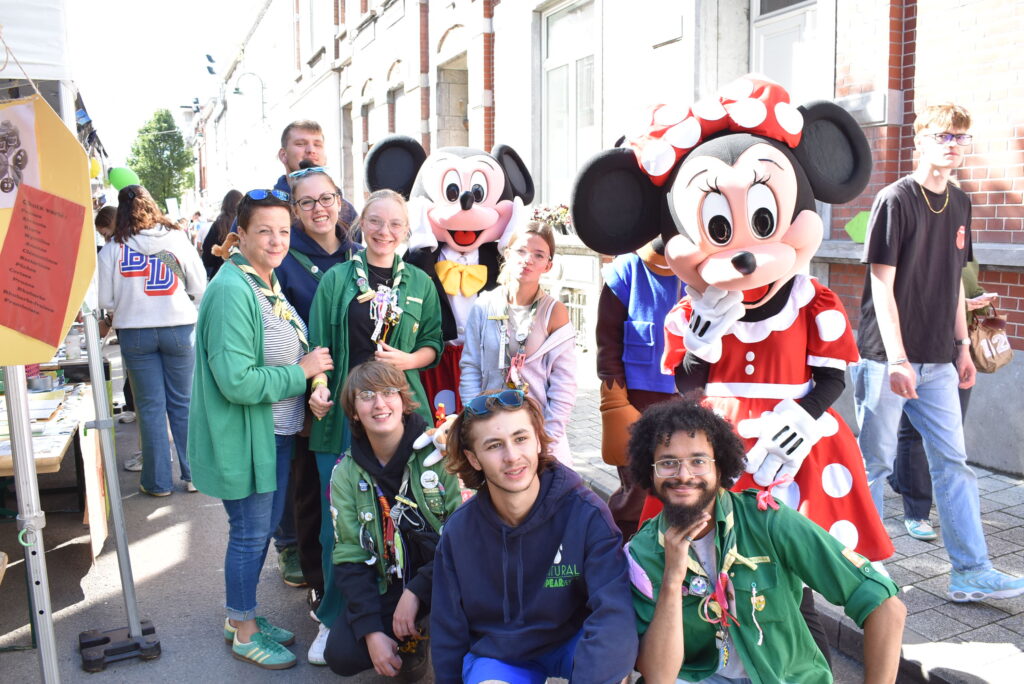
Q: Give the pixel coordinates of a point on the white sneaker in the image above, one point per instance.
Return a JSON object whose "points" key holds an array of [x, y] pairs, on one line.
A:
{"points": [[134, 464], [126, 417], [315, 656]]}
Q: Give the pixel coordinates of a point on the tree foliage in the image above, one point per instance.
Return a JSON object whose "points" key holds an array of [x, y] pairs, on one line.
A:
{"points": [[161, 159]]}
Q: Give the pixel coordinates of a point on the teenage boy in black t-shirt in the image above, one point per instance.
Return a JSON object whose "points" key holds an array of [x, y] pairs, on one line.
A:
{"points": [[912, 319]]}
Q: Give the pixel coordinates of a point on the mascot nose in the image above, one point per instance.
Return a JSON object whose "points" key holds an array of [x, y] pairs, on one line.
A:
{"points": [[744, 262], [466, 200]]}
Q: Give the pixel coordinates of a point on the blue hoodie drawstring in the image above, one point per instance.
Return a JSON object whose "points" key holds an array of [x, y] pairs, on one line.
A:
{"points": [[505, 606]]}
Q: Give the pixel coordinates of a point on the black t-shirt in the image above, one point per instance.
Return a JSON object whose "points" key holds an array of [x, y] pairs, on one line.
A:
{"points": [[929, 251], [360, 347]]}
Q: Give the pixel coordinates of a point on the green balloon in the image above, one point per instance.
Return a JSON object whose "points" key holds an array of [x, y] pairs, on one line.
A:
{"points": [[122, 176]]}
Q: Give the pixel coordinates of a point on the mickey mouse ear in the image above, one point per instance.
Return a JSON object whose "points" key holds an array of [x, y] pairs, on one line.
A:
{"points": [[393, 164], [615, 207], [834, 152]]}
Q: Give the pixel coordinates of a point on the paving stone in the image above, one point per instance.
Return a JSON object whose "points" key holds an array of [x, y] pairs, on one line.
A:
{"points": [[909, 546], [1017, 511], [1011, 496], [917, 599], [989, 505], [925, 565], [994, 634], [999, 520], [1013, 535], [902, 576], [993, 484], [935, 626], [974, 614]]}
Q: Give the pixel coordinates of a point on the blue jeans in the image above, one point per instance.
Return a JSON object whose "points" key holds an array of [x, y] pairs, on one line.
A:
{"points": [[251, 522], [555, 663], [159, 363], [936, 415]]}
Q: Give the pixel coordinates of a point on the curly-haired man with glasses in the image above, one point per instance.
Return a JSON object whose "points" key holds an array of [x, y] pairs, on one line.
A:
{"points": [[529, 578], [717, 576]]}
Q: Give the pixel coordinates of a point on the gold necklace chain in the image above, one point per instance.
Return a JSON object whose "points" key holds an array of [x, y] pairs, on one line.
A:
{"points": [[929, 204]]}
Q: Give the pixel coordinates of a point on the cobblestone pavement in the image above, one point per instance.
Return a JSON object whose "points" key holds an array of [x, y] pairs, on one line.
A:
{"points": [[954, 642]]}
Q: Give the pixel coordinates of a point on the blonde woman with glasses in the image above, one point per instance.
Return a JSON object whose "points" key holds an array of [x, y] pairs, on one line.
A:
{"points": [[520, 337]]}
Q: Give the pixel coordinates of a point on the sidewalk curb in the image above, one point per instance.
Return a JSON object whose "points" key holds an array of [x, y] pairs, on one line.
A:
{"points": [[845, 637]]}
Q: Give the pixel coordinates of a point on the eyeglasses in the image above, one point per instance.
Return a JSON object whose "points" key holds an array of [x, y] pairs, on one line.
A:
{"points": [[962, 139], [264, 194], [377, 223], [695, 465], [525, 254], [371, 395], [481, 406], [326, 200], [305, 172]]}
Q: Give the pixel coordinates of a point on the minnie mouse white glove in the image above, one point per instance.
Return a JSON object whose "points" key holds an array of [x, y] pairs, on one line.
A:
{"points": [[784, 436], [714, 313]]}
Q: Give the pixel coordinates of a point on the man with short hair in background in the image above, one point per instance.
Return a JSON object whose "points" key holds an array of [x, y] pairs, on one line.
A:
{"points": [[912, 324]]}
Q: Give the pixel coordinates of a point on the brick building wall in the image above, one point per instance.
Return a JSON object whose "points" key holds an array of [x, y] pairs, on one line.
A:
{"points": [[926, 53]]}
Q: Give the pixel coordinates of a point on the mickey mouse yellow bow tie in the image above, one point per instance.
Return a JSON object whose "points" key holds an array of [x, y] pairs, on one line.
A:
{"points": [[464, 279]]}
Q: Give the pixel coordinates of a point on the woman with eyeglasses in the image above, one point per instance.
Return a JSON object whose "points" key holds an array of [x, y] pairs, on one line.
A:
{"points": [[372, 307], [319, 241], [519, 336], [252, 364], [151, 277], [389, 500]]}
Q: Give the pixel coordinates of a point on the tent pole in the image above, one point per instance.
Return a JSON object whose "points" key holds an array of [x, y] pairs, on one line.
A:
{"points": [[31, 519]]}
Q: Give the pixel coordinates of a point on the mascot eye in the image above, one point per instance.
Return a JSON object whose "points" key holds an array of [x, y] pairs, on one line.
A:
{"points": [[717, 218], [479, 186], [763, 210], [452, 185]]}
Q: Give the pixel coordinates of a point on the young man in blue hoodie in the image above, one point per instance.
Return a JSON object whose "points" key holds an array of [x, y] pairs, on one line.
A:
{"points": [[530, 580]]}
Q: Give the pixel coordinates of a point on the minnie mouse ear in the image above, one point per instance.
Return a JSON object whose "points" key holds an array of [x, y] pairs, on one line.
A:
{"points": [[393, 164], [615, 207], [834, 152]]}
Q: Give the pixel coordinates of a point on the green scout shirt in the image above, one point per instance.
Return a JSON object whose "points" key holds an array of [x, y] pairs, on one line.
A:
{"points": [[230, 422], [776, 551], [418, 327], [355, 507]]}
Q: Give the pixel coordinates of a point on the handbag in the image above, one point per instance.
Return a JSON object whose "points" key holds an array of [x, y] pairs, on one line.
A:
{"points": [[990, 347]]}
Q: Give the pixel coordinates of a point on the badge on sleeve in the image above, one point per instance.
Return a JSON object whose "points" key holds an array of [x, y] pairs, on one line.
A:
{"points": [[364, 486]]}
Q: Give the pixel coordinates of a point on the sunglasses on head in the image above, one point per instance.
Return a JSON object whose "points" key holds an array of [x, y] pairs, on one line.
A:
{"points": [[305, 172], [481, 406], [264, 194]]}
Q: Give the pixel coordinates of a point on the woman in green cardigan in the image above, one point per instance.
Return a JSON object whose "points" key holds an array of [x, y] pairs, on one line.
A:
{"points": [[252, 362], [372, 307]]}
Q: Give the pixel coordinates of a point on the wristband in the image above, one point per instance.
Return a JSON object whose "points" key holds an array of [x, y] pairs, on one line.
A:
{"points": [[319, 382], [898, 362], [965, 341]]}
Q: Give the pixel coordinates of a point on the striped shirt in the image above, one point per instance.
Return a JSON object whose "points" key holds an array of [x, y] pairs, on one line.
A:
{"points": [[281, 347]]}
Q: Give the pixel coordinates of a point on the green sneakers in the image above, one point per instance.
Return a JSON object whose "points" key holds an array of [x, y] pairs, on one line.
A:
{"points": [[264, 652], [291, 571], [273, 632]]}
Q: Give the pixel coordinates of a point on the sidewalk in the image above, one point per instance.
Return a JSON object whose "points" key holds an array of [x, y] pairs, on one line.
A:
{"points": [[944, 642]]}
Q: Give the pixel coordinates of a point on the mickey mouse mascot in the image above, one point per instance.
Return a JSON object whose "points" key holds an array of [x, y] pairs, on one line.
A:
{"points": [[730, 185], [463, 205]]}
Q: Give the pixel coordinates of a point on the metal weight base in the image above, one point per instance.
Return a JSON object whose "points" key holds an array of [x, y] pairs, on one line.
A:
{"points": [[102, 648]]}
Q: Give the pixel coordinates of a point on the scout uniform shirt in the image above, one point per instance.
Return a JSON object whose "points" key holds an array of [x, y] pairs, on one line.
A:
{"points": [[772, 553]]}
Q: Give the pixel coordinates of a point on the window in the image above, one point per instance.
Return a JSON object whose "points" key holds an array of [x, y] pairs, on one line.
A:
{"points": [[571, 95]]}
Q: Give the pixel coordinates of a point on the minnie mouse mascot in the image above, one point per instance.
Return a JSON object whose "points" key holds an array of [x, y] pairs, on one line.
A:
{"points": [[730, 184], [463, 206]]}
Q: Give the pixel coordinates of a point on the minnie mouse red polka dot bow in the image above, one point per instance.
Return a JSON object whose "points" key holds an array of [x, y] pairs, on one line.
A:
{"points": [[751, 104]]}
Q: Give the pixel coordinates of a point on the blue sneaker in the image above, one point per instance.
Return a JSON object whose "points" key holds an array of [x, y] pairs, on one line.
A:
{"points": [[981, 584], [920, 529]]}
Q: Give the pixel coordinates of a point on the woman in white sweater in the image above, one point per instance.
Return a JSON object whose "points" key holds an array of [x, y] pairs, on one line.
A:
{"points": [[151, 277]]}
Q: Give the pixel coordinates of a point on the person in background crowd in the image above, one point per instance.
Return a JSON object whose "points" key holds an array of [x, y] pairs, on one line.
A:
{"points": [[253, 362], [372, 307], [319, 242], [530, 580], [721, 573], [519, 336], [219, 231], [910, 475], [912, 320], [302, 146], [151, 277], [384, 565]]}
